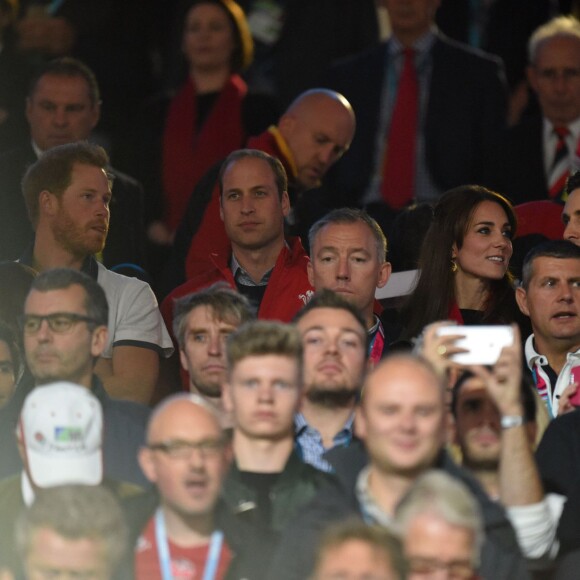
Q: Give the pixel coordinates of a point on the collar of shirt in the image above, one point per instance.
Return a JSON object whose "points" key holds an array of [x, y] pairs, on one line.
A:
{"points": [[301, 425], [550, 139], [37, 150], [421, 46], [371, 512], [241, 276], [373, 329], [27, 490]]}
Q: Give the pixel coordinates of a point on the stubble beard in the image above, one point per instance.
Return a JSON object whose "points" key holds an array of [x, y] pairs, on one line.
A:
{"points": [[336, 397], [74, 239]]}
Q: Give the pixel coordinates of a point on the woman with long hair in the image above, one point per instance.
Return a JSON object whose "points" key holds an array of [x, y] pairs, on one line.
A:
{"points": [[464, 263]]}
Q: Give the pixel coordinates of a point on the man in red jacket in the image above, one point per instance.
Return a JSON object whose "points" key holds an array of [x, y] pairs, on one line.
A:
{"points": [[261, 264], [313, 134]]}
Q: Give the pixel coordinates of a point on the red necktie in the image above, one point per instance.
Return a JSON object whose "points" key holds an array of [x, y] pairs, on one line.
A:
{"points": [[398, 183], [560, 169]]}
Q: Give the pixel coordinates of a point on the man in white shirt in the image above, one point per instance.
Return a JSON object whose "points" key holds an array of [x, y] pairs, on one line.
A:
{"points": [[67, 194]]}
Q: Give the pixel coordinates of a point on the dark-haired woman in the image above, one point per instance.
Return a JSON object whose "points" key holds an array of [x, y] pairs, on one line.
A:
{"points": [[465, 263]]}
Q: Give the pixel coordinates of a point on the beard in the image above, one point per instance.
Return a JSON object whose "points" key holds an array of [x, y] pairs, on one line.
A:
{"points": [[337, 397], [481, 465], [204, 385], [211, 390], [80, 241]]}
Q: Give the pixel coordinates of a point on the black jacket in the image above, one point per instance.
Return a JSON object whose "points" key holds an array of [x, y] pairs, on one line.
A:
{"points": [[294, 560]]}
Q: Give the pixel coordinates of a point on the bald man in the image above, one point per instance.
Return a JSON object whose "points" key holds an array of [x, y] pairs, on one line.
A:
{"points": [[314, 132], [186, 458], [402, 423]]}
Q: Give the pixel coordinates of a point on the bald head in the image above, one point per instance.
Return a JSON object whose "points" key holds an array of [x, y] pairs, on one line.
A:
{"points": [[185, 458], [402, 415], [400, 368], [318, 128], [180, 409]]}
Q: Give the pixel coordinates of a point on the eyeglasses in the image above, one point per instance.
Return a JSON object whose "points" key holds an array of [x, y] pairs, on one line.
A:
{"points": [[456, 570], [59, 322], [179, 449]]}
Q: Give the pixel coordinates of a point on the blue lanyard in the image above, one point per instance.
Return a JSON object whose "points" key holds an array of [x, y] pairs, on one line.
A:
{"points": [[213, 556]]}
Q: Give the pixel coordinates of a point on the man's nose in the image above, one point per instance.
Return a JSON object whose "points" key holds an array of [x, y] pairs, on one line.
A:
{"points": [[60, 117], [343, 271]]}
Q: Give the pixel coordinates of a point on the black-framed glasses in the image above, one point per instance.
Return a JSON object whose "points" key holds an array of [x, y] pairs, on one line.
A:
{"points": [[58, 322], [180, 449]]}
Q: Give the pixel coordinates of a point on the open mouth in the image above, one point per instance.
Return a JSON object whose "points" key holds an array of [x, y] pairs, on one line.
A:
{"points": [[196, 486]]}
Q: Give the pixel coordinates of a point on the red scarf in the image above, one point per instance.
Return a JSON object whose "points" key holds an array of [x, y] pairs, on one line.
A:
{"points": [[455, 313], [187, 155]]}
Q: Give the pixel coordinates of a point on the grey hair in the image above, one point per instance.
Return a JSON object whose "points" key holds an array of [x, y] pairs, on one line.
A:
{"points": [[438, 493], [347, 215], [559, 27]]}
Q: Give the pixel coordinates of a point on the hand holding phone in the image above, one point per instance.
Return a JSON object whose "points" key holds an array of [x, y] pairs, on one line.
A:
{"points": [[482, 344]]}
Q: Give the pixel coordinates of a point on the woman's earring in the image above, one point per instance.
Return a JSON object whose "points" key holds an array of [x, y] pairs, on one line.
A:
{"points": [[453, 265]]}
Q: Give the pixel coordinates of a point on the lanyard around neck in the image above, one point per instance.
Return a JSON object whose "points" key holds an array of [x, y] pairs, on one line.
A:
{"points": [[213, 555]]}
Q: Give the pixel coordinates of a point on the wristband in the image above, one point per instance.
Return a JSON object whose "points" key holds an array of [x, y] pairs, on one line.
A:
{"points": [[509, 421]]}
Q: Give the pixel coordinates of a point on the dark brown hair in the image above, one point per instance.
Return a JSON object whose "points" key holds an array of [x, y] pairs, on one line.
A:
{"points": [[435, 290]]}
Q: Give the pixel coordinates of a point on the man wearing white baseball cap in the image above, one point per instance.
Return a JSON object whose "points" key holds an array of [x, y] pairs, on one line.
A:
{"points": [[60, 437]]}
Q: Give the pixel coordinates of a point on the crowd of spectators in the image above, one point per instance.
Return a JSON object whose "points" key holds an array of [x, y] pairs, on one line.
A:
{"points": [[244, 249]]}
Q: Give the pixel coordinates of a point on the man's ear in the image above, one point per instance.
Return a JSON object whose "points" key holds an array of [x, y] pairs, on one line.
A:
{"points": [[285, 204], [183, 360], [384, 274], [145, 458], [48, 203], [522, 300], [99, 340], [286, 125], [310, 272]]}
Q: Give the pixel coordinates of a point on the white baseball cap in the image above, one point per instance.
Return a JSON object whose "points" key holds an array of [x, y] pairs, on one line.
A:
{"points": [[61, 430]]}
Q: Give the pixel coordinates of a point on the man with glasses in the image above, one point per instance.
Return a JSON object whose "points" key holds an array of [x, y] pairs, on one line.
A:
{"points": [[335, 339], [183, 530], [67, 194], [65, 332], [536, 155]]}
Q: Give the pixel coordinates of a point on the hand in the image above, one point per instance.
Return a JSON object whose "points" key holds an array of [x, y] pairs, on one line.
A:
{"points": [[503, 382], [438, 349], [564, 405], [160, 234]]}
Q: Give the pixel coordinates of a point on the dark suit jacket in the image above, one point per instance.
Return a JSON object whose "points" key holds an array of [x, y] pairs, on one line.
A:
{"points": [[465, 116], [126, 239], [517, 170]]}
